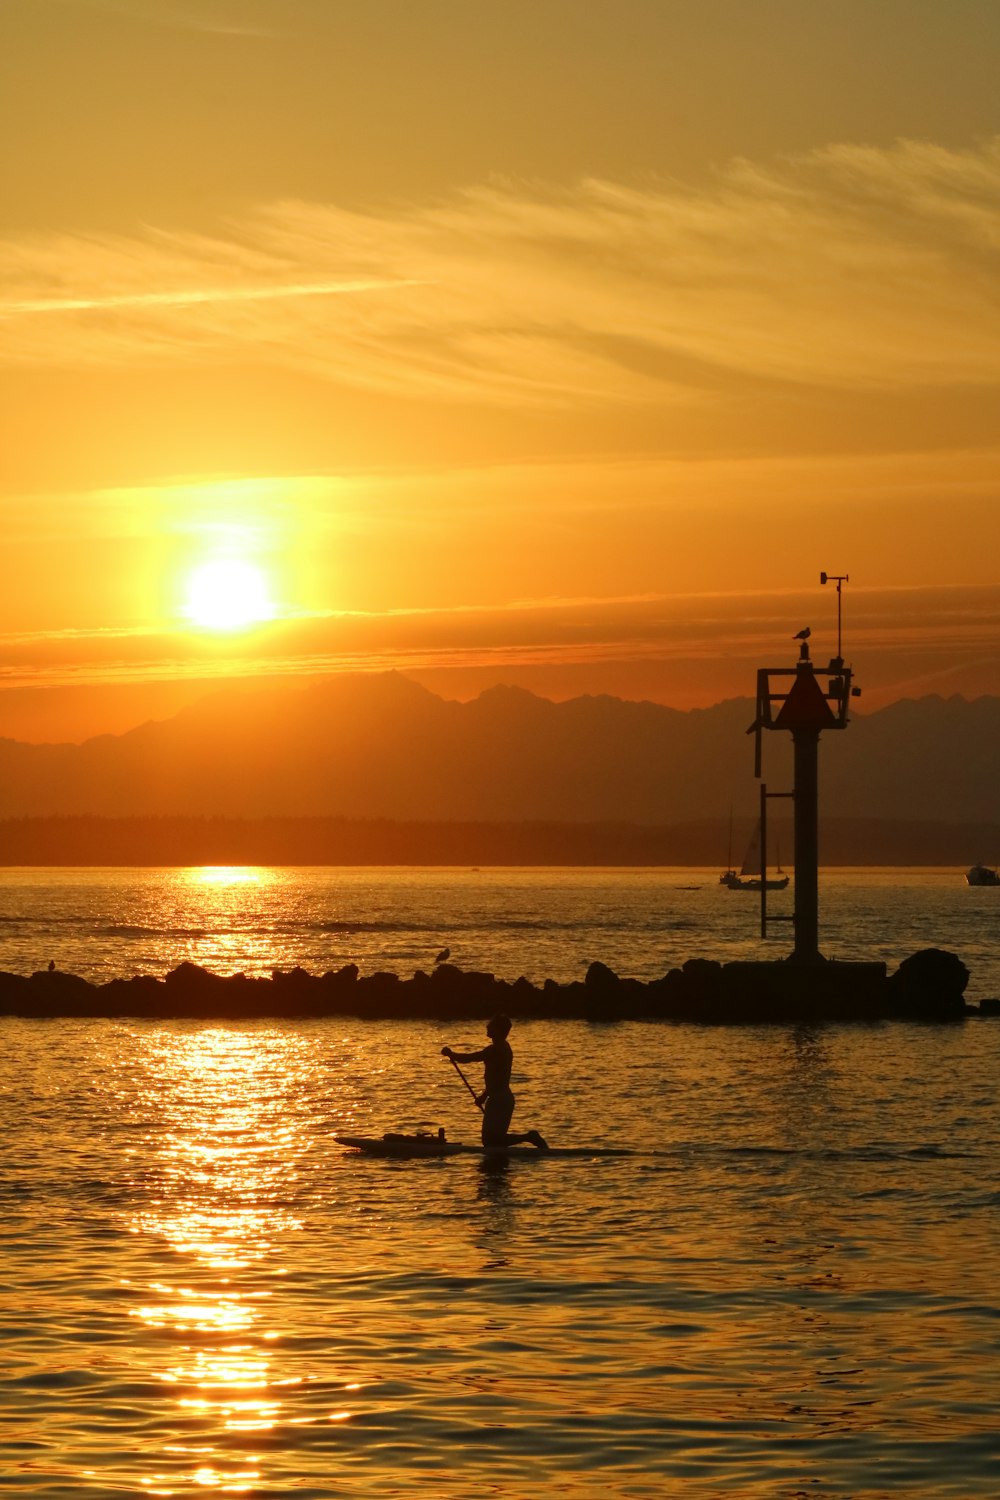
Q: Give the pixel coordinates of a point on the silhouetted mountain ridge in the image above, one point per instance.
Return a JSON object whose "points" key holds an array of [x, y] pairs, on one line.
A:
{"points": [[382, 746]]}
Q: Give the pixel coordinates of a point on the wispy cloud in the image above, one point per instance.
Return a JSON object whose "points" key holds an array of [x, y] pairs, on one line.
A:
{"points": [[909, 638], [192, 297], [855, 268]]}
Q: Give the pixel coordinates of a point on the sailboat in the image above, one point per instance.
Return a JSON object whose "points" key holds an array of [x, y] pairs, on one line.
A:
{"points": [[751, 876]]}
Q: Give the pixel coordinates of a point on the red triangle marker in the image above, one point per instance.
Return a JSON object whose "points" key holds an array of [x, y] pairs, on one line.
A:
{"points": [[805, 707]]}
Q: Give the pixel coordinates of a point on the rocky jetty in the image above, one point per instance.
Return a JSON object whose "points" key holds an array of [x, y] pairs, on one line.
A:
{"points": [[928, 986]]}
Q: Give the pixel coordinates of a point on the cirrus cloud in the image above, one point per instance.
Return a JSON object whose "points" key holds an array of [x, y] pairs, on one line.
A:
{"points": [[849, 268]]}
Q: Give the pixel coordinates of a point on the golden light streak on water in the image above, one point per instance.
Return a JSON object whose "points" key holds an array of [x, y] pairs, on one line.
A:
{"points": [[223, 875], [231, 1142]]}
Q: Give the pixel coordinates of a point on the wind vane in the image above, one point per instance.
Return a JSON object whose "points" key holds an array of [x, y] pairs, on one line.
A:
{"points": [[839, 579]]}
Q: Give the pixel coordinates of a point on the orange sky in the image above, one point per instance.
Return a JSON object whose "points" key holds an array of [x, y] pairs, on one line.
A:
{"points": [[551, 342]]}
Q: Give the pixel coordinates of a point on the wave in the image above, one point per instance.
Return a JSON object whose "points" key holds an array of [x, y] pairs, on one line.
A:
{"points": [[848, 1153], [434, 926], [126, 930]]}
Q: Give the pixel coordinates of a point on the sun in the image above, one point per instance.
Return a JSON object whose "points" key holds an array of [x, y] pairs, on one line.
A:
{"points": [[228, 594]]}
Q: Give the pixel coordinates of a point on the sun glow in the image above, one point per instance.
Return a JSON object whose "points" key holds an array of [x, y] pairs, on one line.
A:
{"points": [[228, 594]]}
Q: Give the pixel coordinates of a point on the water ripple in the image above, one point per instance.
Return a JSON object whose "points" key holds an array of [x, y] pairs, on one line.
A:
{"points": [[788, 1292]]}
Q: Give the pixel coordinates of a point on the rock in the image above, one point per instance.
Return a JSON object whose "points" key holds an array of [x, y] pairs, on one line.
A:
{"points": [[346, 975], [188, 975], [929, 986]]}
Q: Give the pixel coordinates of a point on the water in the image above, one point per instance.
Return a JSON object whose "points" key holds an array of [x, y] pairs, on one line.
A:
{"points": [[106, 924], [786, 1290]]}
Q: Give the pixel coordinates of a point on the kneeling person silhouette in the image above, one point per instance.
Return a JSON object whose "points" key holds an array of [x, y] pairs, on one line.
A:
{"points": [[496, 1100]]}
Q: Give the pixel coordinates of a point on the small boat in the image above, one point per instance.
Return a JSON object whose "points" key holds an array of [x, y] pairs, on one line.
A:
{"points": [[730, 878], [751, 877], [982, 875]]}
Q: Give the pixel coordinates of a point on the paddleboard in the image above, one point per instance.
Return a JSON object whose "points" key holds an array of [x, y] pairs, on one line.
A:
{"points": [[413, 1147]]}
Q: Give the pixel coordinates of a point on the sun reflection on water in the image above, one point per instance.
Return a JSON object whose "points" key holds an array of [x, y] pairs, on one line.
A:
{"points": [[233, 1134], [222, 918], [788, 1288], [223, 875]]}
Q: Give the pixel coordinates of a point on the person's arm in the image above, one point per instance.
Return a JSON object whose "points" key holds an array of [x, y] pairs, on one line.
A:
{"points": [[479, 1056]]}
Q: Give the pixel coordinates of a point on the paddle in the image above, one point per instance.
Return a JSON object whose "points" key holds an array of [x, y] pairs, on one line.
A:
{"points": [[468, 1085]]}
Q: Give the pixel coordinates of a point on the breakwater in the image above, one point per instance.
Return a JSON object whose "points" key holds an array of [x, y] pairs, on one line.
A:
{"points": [[927, 986]]}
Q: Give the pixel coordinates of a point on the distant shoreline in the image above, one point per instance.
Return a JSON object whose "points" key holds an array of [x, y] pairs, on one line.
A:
{"points": [[332, 842]]}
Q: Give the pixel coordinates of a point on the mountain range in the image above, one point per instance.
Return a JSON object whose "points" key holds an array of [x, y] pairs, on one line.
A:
{"points": [[383, 747]]}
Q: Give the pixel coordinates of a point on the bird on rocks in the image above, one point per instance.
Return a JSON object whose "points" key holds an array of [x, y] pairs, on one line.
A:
{"points": [[444, 954]]}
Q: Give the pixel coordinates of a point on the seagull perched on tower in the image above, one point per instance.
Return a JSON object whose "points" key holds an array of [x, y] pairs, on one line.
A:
{"points": [[802, 635]]}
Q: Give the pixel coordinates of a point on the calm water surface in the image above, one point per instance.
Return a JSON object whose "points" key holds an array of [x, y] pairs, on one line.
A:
{"points": [[786, 1290], [105, 924]]}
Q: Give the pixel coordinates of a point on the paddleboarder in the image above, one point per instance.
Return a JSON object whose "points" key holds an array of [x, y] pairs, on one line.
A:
{"points": [[496, 1101]]}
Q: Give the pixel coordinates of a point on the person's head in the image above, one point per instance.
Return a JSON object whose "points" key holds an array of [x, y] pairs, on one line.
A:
{"points": [[498, 1027]]}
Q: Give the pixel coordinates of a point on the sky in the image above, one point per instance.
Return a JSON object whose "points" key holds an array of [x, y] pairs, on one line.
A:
{"points": [[551, 342]]}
